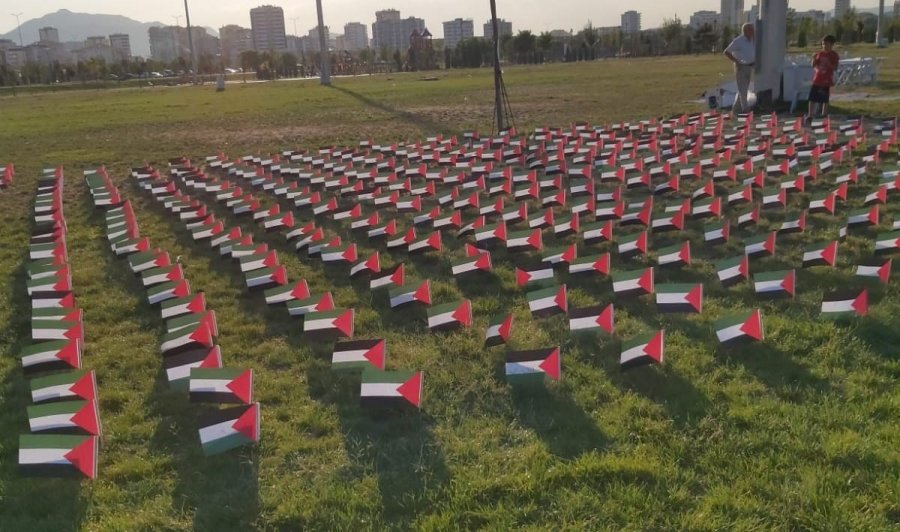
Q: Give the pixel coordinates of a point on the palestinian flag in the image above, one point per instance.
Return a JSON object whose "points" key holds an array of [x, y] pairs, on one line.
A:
{"points": [[677, 255], [199, 335], [592, 319], [758, 245], [64, 314], [387, 278], [52, 355], [679, 298], [821, 254], [717, 233], [367, 266], [775, 285], [59, 282], [54, 455], [166, 274], [642, 350], [635, 244], [450, 316], [876, 267], [80, 384], [178, 367], [81, 417], [524, 367], [749, 218], [345, 253], [598, 232], [867, 216], [329, 324], [359, 354], [482, 262], [528, 240], [498, 331], [734, 270], [822, 202], [707, 208], [288, 292], [491, 234], [165, 291], [223, 430], [675, 222], [56, 330], [430, 243], [793, 225], [886, 243], [633, 283], [844, 304], [258, 261], [740, 328], [542, 221], [411, 293], [548, 301], [266, 277], [148, 259], [597, 264], [565, 255], [221, 385], [383, 389], [540, 274]]}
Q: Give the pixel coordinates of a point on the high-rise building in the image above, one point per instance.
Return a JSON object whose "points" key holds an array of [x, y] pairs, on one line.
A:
{"points": [[456, 30], [267, 24], [314, 38], [163, 43], [753, 13], [704, 18], [503, 28], [391, 32], [48, 34], [234, 40], [356, 36], [841, 7], [896, 8], [732, 13], [121, 46], [631, 22]]}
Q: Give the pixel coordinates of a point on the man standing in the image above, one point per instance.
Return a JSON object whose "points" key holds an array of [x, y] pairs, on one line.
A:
{"points": [[742, 52]]}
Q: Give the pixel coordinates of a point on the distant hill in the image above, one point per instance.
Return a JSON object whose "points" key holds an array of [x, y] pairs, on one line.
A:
{"points": [[78, 26]]}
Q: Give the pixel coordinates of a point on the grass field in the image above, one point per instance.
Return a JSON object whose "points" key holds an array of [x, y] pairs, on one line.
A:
{"points": [[797, 433]]}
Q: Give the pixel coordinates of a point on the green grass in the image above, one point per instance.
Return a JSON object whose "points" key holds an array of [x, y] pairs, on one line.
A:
{"points": [[797, 433]]}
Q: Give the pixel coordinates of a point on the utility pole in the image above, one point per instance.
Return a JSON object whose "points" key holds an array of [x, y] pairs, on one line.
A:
{"points": [[177, 20], [879, 35], [19, 26], [498, 75], [325, 78], [187, 17], [294, 19]]}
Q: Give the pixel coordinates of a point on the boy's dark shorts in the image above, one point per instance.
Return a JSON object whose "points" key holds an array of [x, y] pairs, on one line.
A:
{"points": [[819, 94]]}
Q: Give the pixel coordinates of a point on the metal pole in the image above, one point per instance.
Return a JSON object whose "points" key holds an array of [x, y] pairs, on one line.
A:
{"points": [[187, 18], [19, 26], [879, 40], [325, 78], [498, 93]]}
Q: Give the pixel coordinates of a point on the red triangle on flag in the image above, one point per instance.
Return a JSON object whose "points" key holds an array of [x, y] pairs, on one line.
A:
{"points": [[213, 358], [561, 300], [483, 262], [75, 332], [242, 386], [551, 365], [87, 418], [606, 319], [522, 277], [861, 303], [84, 457], [202, 335], [463, 313], [85, 387], [646, 280], [300, 290], [349, 254], [571, 253], [376, 355], [505, 328], [884, 272], [411, 390], [753, 326], [325, 303], [829, 254], [423, 293], [248, 423], [655, 347], [344, 323], [182, 289], [695, 297]]}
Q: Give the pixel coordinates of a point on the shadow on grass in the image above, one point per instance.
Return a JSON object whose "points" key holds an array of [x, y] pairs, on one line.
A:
{"points": [[28, 503], [788, 379], [425, 125], [558, 420]]}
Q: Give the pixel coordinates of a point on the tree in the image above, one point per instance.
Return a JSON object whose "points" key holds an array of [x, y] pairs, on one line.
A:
{"points": [[249, 60], [545, 44], [590, 37], [524, 44], [705, 38], [672, 31]]}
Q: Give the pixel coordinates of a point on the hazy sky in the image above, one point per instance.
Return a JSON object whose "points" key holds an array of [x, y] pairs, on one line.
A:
{"points": [[536, 15]]}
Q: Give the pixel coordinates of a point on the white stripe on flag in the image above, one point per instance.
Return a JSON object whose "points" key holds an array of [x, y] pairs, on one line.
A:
{"points": [[210, 385], [380, 389], [838, 306], [634, 352], [55, 421], [769, 286], [578, 324], [671, 298], [630, 284], [542, 303], [43, 456], [217, 431], [729, 333], [50, 392], [316, 325], [441, 319], [524, 368], [182, 372], [358, 355]]}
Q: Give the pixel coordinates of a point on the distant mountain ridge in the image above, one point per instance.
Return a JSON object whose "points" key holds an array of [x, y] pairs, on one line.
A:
{"points": [[79, 26]]}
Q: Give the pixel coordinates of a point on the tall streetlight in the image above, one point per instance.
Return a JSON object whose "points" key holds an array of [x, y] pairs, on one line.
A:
{"points": [[177, 20], [325, 71], [187, 17], [19, 26]]}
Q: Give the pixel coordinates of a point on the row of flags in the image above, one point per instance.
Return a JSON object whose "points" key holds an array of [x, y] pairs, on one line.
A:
{"points": [[64, 419], [321, 320], [191, 356]]}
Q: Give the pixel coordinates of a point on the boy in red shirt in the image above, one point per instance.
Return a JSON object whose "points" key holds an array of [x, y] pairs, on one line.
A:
{"points": [[824, 63]]}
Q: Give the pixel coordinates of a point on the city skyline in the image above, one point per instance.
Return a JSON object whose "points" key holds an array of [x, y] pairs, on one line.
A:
{"points": [[524, 14]]}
